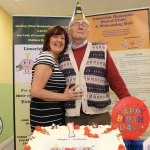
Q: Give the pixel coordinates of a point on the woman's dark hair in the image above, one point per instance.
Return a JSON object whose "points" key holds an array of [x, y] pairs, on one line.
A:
{"points": [[56, 30]]}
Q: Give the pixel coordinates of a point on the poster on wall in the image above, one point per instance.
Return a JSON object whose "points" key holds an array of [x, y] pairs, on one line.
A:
{"points": [[121, 30], [128, 45], [28, 39]]}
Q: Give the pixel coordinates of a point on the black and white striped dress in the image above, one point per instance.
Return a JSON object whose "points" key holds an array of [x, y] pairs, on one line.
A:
{"points": [[42, 112]]}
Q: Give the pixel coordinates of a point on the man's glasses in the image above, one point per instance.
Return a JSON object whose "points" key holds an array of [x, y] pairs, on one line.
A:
{"points": [[78, 25]]}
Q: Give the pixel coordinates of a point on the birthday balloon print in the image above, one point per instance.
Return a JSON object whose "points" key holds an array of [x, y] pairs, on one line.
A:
{"points": [[131, 116]]}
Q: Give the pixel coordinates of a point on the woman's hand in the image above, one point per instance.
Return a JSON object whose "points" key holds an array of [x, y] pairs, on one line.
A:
{"points": [[70, 93]]}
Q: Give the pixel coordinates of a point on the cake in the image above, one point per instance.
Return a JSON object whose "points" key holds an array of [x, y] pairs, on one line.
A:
{"points": [[75, 137]]}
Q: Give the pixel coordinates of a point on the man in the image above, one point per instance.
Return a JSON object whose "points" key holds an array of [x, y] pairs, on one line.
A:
{"points": [[90, 66]]}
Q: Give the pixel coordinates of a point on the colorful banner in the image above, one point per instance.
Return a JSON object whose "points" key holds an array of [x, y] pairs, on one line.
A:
{"points": [[121, 31], [126, 35]]}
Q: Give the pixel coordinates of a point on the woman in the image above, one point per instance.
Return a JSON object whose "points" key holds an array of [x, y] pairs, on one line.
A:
{"points": [[48, 90]]}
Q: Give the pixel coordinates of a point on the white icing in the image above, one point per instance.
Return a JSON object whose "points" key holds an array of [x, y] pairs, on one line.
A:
{"points": [[59, 139]]}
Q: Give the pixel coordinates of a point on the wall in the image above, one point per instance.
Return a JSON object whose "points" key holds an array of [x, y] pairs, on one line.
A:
{"points": [[6, 76]]}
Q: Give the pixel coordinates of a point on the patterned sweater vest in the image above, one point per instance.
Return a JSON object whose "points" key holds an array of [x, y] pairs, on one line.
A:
{"points": [[91, 77]]}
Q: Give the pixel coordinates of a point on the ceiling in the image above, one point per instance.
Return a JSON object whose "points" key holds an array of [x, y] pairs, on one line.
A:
{"points": [[66, 7]]}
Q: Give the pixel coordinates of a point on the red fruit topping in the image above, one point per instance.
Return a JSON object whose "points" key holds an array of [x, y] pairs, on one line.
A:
{"points": [[43, 131], [27, 147], [38, 128], [76, 127], [68, 148], [95, 136], [108, 129], [90, 135], [86, 132], [121, 147], [86, 129]]}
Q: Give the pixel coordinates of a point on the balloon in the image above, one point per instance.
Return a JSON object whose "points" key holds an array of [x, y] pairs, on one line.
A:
{"points": [[131, 116]]}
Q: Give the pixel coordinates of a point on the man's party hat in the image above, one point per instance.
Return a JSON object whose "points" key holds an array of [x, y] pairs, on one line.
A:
{"points": [[77, 14]]}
